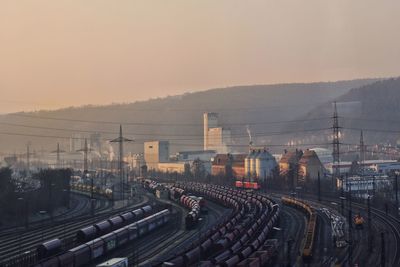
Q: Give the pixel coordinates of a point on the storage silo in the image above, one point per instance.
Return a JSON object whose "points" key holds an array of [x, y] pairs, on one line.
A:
{"points": [[253, 170], [247, 163], [262, 165]]}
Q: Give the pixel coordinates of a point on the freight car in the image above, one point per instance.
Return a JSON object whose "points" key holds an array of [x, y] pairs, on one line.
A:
{"points": [[106, 226], [237, 236], [107, 192], [178, 194], [49, 248], [52, 247], [201, 202], [92, 250], [310, 228]]}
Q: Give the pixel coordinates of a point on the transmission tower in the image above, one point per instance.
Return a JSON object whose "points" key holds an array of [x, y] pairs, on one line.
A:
{"points": [[120, 140], [362, 153], [336, 144], [58, 151], [28, 157], [85, 151]]}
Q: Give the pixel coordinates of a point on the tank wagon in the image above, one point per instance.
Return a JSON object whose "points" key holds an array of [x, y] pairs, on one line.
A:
{"points": [[241, 235], [53, 246], [92, 250]]}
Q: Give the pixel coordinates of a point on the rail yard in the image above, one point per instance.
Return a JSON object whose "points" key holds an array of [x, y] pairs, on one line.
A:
{"points": [[198, 224]]}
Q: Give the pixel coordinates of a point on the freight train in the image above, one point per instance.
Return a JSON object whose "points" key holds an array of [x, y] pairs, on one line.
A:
{"points": [[52, 247], [193, 203], [311, 225], [247, 185], [240, 236], [95, 249], [107, 193]]}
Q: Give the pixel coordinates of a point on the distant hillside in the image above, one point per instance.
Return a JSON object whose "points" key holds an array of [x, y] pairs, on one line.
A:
{"points": [[374, 108], [237, 106]]}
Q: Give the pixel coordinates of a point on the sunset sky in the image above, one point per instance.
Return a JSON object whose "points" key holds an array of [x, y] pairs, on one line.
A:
{"points": [[56, 53]]}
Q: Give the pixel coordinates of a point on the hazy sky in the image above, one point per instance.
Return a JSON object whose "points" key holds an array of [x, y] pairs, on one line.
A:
{"points": [[71, 52]]}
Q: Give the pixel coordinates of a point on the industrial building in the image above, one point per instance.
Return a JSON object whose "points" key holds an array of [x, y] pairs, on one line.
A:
{"points": [[157, 158], [179, 167], [324, 155], [204, 155], [378, 166], [156, 152], [364, 186], [310, 166], [233, 163], [215, 137], [289, 161], [259, 164]]}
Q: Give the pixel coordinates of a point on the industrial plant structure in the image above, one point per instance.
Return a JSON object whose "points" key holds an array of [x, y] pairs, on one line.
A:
{"points": [[259, 164], [215, 137]]}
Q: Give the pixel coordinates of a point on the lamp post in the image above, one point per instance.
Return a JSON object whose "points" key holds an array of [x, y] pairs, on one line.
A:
{"points": [[51, 201], [92, 205], [65, 216], [342, 199], [282, 239], [65, 191], [336, 205], [369, 224], [199, 232], [20, 200], [298, 188], [42, 213]]}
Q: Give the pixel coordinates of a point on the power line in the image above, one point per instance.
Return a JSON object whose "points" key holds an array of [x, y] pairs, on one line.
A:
{"points": [[139, 141], [159, 124], [161, 135]]}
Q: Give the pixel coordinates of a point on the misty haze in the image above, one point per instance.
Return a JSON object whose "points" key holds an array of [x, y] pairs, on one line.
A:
{"points": [[199, 133]]}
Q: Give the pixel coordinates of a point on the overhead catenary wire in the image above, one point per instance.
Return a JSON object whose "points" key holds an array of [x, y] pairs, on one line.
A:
{"points": [[157, 123], [159, 135]]}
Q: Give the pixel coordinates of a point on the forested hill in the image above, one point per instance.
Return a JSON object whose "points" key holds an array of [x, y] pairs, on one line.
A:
{"points": [[373, 108], [162, 118]]}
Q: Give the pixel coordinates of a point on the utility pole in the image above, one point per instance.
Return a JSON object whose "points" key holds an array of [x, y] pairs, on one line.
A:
{"points": [[319, 187], [28, 156], [336, 145], [369, 224], [362, 152], [85, 151], [396, 194], [120, 140], [350, 250], [27, 160], [383, 253], [58, 151]]}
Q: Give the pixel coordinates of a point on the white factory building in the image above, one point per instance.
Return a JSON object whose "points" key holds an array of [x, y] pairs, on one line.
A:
{"points": [[363, 186], [379, 166], [156, 157], [156, 152], [215, 137]]}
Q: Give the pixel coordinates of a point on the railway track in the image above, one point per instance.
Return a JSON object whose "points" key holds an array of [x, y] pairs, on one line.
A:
{"points": [[182, 241], [381, 222], [239, 236], [387, 224], [77, 212], [13, 247], [293, 222]]}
